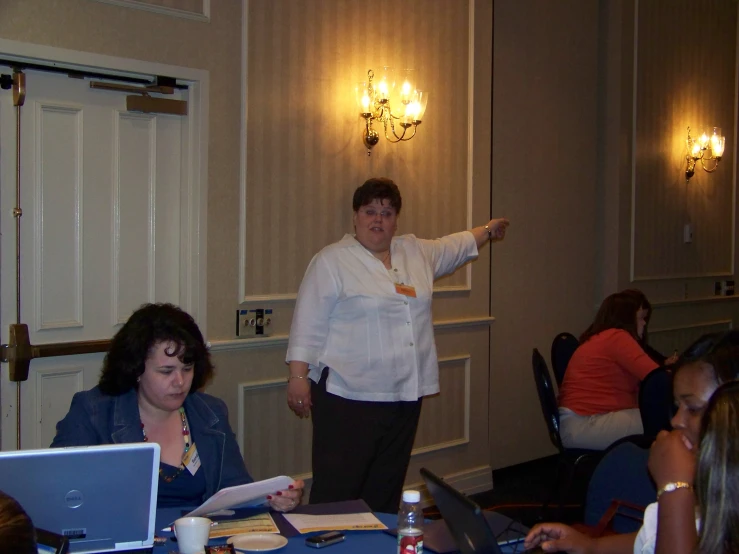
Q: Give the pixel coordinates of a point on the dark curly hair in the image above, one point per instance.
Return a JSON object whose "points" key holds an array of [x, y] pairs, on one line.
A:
{"points": [[377, 188], [149, 325]]}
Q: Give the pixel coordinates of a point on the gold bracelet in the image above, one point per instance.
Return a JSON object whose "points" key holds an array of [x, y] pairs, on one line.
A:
{"points": [[296, 377], [671, 487], [490, 233]]}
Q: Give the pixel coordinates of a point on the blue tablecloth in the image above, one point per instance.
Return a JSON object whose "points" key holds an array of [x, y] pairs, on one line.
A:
{"points": [[357, 542]]}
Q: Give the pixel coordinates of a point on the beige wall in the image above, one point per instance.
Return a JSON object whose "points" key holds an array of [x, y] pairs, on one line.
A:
{"points": [[544, 179]]}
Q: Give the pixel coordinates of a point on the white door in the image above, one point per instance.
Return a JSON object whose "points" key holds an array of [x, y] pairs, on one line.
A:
{"points": [[101, 194]]}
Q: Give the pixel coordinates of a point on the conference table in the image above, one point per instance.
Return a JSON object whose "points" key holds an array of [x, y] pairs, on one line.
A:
{"points": [[357, 542]]}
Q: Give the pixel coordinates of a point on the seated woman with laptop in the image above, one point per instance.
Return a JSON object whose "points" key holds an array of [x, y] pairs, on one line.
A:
{"points": [[149, 391], [598, 399]]}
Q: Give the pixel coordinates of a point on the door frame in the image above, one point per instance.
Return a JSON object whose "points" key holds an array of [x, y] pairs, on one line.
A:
{"points": [[194, 192]]}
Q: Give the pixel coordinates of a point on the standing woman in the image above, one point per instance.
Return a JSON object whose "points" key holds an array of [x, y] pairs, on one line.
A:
{"points": [[362, 354]]}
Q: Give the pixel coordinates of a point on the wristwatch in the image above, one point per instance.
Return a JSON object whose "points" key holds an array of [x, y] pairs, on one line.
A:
{"points": [[670, 487], [490, 232]]}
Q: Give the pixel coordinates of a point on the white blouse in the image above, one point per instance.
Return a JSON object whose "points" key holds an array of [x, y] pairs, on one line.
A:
{"points": [[349, 316], [646, 539]]}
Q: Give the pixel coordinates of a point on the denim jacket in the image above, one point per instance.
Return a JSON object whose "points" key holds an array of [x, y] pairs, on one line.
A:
{"points": [[95, 418]]}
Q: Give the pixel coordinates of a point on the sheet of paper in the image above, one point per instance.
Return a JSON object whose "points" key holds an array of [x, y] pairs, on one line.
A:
{"points": [[232, 497], [260, 523], [305, 523]]}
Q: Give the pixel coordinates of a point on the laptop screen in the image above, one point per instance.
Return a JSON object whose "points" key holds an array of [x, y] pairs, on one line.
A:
{"points": [[466, 521], [102, 498]]}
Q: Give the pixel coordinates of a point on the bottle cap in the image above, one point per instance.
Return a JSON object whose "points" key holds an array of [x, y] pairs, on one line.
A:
{"points": [[411, 496]]}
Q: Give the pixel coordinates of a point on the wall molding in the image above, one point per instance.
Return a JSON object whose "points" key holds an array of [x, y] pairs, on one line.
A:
{"points": [[203, 16], [281, 340], [242, 296], [728, 322], [697, 300], [471, 481], [465, 438], [241, 388]]}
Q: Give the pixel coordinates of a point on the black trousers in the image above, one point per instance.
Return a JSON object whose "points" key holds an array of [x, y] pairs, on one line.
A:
{"points": [[360, 449]]}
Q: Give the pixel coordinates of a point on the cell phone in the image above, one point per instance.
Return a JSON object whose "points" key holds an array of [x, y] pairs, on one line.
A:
{"points": [[326, 539]]}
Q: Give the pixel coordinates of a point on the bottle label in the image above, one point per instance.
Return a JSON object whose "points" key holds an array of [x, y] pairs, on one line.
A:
{"points": [[410, 544]]}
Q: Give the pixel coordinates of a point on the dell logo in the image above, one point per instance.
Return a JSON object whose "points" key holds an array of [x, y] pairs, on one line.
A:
{"points": [[74, 499]]}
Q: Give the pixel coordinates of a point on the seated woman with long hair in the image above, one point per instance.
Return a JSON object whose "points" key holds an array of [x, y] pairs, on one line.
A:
{"points": [[598, 399]]}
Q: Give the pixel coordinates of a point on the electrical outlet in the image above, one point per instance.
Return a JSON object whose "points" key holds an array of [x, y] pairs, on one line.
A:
{"points": [[254, 323], [727, 288]]}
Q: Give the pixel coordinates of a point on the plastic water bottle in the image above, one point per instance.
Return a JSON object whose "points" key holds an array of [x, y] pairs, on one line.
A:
{"points": [[410, 524]]}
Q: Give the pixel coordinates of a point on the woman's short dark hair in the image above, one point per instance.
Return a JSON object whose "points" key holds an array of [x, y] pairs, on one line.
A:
{"points": [[148, 326], [717, 475], [377, 188], [618, 311], [17, 533]]}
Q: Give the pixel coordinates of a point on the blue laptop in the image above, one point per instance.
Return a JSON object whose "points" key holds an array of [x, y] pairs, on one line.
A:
{"points": [[101, 498]]}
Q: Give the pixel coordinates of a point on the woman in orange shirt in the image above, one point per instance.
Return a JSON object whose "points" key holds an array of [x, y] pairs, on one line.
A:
{"points": [[598, 399]]}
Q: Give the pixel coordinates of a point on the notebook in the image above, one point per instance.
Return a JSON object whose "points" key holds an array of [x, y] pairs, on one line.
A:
{"points": [[466, 527], [102, 498]]}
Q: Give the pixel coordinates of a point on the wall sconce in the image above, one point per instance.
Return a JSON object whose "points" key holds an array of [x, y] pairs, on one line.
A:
{"points": [[383, 103], [710, 138]]}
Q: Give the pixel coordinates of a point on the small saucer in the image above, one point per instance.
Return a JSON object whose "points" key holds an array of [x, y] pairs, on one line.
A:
{"points": [[257, 542]]}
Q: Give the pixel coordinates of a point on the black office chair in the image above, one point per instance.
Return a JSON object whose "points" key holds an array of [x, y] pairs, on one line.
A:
{"points": [[655, 402], [563, 347], [569, 458]]}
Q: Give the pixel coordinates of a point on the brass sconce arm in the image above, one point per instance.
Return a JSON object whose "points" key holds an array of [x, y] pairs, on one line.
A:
{"points": [[375, 105], [698, 150]]}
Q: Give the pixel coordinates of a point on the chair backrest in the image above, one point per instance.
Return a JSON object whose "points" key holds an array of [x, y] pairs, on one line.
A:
{"points": [[547, 398], [563, 347], [621, 475], [655, 401]]}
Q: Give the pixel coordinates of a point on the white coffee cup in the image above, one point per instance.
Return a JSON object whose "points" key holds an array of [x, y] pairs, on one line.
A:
{"points": [[192, 534]]}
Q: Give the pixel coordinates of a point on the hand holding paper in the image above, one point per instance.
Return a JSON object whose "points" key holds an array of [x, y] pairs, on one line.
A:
{"points": [[232, 497]]}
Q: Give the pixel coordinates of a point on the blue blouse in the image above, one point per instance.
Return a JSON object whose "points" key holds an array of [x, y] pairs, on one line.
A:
{"points": [[184, 490]]}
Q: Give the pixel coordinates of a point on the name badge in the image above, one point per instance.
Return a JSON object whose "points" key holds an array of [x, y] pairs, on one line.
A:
{"points": [[192, 460], [405, 290]]}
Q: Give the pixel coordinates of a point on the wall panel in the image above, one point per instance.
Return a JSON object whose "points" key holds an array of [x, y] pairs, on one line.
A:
{"points": [[304, 132], [685, 76]]}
